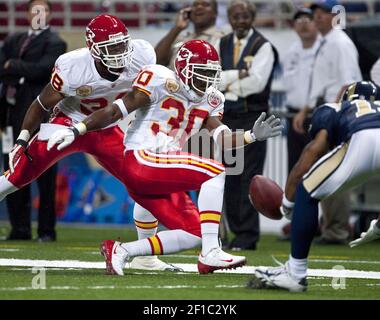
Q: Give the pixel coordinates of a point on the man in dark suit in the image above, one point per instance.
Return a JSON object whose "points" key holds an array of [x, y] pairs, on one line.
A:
{"points": [[248, 60], [26, 61]]}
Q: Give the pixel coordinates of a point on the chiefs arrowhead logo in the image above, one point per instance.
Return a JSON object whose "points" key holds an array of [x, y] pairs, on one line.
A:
{"points": [[184, 54], [90, 35]]}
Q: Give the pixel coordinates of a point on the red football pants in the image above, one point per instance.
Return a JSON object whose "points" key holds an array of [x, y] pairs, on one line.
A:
{"points": [[105, 145], [158, 182]]}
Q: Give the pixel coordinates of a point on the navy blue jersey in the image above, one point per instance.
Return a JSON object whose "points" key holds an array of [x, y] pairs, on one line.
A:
{"points": [[342, 120]]}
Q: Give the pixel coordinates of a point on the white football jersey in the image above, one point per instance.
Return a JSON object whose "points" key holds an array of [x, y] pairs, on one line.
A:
{"points": [[76, 77], [171, 114]]}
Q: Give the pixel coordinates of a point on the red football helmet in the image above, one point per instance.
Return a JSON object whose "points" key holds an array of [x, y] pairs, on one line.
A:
{"points": [[197, 66], [109, 41]]}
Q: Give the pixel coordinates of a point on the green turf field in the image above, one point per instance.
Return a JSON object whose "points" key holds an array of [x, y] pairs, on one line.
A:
{"points": [[82, 243]]}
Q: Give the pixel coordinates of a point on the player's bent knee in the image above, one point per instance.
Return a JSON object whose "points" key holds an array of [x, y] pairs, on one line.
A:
{"points": [[142, 214], [216, 182]]}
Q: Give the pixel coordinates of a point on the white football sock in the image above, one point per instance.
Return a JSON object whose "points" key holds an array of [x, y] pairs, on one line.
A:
{"points": [[146, 224], [210, 202], [137, 248], [177, 240], [298, 267], [164, 242]]}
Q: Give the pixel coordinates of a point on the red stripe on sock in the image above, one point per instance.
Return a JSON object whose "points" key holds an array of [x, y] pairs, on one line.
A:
{"points": [[151, 246], [160, 243]]}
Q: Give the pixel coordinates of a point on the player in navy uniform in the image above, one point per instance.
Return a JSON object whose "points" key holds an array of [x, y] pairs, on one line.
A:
{"points": [[344, 151]]}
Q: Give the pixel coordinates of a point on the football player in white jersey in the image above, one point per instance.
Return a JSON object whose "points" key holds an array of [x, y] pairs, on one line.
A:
{"points": [[83, 81], [171, 105]]}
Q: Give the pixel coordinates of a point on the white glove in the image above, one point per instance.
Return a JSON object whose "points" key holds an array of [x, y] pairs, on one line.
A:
{"points": [[372, 233], [20, 148], [287, 208], [163, 144], [63, 138], [17, 151], [269, 128]]}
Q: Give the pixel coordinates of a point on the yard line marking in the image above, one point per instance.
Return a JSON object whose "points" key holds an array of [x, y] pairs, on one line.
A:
{"points": [[346, 261], [331, 273], [50, 268], [180, 287], [52, 263], [9, 250], [312, 256], [31, 288], [229, 286], [17, 289], [119, 287], [187, 267], [359, 274], [17, 246], [348, 285]]}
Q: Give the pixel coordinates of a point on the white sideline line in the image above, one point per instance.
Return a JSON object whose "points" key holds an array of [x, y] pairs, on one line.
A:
{"points": [[160, 287], [118, 287], [187, 267], [344, 261]]}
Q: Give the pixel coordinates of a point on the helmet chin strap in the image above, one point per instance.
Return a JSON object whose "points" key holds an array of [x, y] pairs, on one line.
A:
{"points": [[115, 72], [193, 95], [109, 69]]}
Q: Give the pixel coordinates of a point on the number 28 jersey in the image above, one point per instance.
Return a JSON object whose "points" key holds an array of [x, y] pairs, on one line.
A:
{"points": [[85, 91], [171, 111]]}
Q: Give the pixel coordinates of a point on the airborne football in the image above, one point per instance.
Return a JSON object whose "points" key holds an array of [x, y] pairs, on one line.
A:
{"points": [[266, 196]]}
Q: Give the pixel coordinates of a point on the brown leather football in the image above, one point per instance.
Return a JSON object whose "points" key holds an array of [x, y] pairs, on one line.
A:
{"points": [[266, 196]]}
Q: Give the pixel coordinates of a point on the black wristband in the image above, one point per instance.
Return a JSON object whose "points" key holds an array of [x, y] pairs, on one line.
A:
{"points": [[22, 143], [76, 131]]}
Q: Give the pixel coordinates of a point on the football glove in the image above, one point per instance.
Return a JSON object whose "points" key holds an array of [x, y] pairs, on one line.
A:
{"points": [[20, 148], [264, 129], [65, 137], [62, 138], [287, 208], [372, 233], [163, 144]]}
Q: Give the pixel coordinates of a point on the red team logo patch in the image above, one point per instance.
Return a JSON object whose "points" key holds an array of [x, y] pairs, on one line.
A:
{"points": [[214, 100]]}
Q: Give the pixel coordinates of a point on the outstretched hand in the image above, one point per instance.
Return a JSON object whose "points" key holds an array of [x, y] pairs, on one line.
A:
{"points": [[371, 234], [269, 128]]}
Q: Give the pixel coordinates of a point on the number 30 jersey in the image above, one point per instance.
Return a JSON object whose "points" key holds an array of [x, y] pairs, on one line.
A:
{"points": [[172, 115], [85, 91]]}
